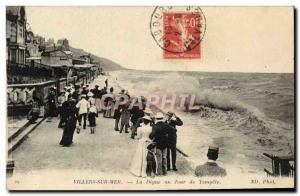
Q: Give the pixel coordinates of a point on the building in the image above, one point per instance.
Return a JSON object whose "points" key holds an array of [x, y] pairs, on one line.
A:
{"points": [[87, 58], [57, 57], [63, 44], [33, 52], [15, 34]]}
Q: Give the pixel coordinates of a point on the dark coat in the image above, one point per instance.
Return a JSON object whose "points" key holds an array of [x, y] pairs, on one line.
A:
{"points": [[92, 118], [210, 169], [136, 114], [173, 133], [70, 112], [97, 93], [160, 133]]}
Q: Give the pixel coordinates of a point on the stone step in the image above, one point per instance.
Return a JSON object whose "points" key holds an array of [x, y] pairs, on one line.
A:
{"points": [[15, 141], [15, 133]]}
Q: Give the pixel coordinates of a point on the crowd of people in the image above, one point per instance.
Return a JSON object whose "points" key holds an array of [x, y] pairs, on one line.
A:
{"points": [[156, 133]]}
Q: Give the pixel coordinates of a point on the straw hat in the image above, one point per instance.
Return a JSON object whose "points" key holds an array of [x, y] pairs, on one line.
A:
{"points": [[159, 116], [148, 111], [90, 94], [146, 117]]}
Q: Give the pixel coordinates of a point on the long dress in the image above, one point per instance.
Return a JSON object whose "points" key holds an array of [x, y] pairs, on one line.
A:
{"points": [[70, 124], [139, 162], [109, 103]]}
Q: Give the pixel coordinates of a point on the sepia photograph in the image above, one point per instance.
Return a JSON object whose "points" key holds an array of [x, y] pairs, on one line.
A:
{"points": [[145, 98]]}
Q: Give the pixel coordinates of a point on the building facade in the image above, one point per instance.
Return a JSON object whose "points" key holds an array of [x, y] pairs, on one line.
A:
{"points": [[57, 58], [15, 34]]}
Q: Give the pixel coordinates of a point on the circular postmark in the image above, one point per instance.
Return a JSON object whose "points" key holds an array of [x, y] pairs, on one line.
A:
{"points": [[177, 29]]}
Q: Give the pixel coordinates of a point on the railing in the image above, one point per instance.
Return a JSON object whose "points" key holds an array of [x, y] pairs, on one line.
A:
{"points": [[20, 96], [281, 166]]}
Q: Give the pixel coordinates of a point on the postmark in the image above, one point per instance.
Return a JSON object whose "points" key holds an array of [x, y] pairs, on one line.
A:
{"points": [[178, 31]]}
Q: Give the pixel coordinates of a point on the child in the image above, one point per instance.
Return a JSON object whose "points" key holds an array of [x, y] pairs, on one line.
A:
{"points": [[34, 113], [151, 168], [92, 118]]}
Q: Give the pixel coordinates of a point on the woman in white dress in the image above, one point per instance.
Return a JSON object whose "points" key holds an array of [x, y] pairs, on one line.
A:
{"points": [[139, 162]]}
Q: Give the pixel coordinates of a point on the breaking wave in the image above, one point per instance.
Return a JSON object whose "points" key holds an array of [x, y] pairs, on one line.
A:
{"points": [[215, 104]]}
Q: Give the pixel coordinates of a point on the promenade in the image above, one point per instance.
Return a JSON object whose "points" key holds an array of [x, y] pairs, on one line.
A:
{"points": [[107, 151]]}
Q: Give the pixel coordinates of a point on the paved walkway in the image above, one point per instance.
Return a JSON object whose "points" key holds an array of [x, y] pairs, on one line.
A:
{"points": [[106, 151]]}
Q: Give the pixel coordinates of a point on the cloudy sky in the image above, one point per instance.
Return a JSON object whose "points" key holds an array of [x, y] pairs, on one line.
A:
{"points": [[253, 39]]}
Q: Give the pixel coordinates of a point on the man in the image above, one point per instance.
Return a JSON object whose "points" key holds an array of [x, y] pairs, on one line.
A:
{"points": [[75, 95], [136, 115], [159, 134], [83, 105], [97, 96], [211, 168], [173, 121], [85, 90], [118, 108]]}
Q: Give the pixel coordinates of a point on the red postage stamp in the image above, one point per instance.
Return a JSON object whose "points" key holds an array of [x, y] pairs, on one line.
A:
{"points": [[178, 31], [182, 35]]}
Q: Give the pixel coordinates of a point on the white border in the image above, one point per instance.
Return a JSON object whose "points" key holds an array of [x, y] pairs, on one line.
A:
{"points": [[3, 3]]}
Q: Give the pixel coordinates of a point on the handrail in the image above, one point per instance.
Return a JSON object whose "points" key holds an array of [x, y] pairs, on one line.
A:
{"points": [[36, 84]]}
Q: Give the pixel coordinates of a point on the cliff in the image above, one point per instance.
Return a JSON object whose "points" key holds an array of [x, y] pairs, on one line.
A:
{"points": [[106, 64]]}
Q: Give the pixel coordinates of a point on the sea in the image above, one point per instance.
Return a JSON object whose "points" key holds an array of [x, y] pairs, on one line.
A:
{"points": [[244, 114]]}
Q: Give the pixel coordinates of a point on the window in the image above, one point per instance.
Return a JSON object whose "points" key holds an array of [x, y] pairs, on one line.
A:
{"points": [[20, 30], [13, 31], [13, 56], [21, 61]]}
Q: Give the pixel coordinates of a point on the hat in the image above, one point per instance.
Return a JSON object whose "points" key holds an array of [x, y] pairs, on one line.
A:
{"points": [[90, 94], [146, 117], [212, 149], [151, 146], [170, 113], [159, 116], [148, 111]]}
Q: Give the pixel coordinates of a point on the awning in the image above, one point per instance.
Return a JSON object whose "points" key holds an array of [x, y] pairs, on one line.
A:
{"points": [[34, 58]]}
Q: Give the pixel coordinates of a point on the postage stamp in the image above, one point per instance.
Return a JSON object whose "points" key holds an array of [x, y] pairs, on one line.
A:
{"points": [[178, 31]]}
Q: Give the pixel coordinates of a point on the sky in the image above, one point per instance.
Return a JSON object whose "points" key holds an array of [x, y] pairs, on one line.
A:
{"points": [[237, 39]]}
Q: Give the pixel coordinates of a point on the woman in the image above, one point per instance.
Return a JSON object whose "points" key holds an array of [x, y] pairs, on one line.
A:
{"points": [[69, 108], [109, 104], [60, 101], [34, 113], [139, 161]]}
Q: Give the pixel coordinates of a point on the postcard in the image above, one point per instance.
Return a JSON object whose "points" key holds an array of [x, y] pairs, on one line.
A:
{"points": [[150, 98]]}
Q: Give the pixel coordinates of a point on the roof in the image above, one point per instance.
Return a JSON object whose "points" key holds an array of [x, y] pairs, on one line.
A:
{"points": [[84, 65], [68, 52]]}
